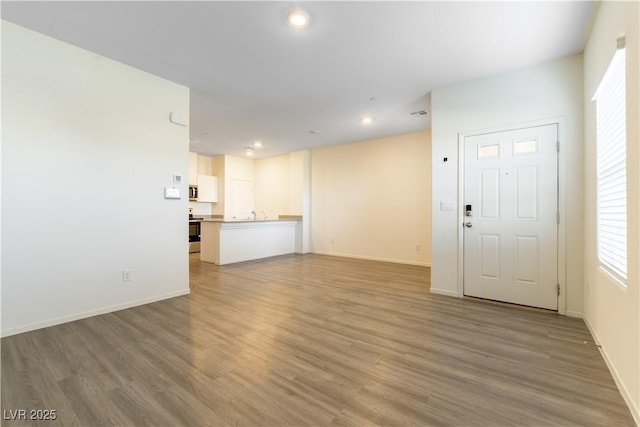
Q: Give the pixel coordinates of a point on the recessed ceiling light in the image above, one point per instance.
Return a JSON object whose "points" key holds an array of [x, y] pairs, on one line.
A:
{"points": [[257, 144], [298, 18], [248, 151], [366, 120]]}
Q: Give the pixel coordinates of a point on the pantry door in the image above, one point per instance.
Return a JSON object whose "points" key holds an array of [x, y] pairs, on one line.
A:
{"points": [[511, 216]]}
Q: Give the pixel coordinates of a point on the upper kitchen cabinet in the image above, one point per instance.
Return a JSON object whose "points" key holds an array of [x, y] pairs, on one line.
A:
{"points": [[207, 188], [193, 168], [200, 170], [198, 165], [204, 165]]}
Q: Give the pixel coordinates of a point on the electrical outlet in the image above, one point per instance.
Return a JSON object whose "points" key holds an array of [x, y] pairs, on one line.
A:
{"points": [[126, 275]]}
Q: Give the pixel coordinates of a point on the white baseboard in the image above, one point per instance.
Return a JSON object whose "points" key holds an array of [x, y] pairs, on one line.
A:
{"points": [[91, 313], [393, 260], [445, 292], [576, 314], [626, 395]]}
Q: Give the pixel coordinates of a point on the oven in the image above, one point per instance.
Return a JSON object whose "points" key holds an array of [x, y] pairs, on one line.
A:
{"points": [[194, 236]]}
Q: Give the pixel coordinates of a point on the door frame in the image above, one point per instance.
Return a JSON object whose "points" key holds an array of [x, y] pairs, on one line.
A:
{"points": [[562, 185]]}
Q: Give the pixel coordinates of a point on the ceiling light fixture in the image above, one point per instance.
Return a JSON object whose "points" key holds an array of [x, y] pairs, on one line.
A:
{"points": [[257, 144], [366, 120], [298, 19], [248, 151]]}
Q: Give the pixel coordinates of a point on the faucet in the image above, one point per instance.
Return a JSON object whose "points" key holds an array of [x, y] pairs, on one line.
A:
{"points": [[264, 215], [254, 215]]}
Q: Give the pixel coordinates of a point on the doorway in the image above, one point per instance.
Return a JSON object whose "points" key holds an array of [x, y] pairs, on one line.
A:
{"points": [[510, 235]]}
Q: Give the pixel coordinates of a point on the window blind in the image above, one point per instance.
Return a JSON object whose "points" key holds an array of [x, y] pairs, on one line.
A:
{"points": [[611, 167]]}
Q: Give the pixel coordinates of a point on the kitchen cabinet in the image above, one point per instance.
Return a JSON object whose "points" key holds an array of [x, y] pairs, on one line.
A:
{"points": [[204, 165], [193, 168], [207, 188], [226, 242], [198, 165]]}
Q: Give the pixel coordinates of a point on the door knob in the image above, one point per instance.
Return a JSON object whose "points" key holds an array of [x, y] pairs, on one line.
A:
{"points": [[468, 224]]}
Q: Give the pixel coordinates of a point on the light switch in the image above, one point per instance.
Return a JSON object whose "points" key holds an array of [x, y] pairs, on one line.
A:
{"points": [[171, 193]]}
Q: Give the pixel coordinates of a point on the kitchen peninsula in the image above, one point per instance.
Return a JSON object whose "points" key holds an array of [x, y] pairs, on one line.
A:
{"points": [[226, 242]]}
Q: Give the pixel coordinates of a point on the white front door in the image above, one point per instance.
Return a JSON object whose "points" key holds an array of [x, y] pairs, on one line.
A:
{"points": [[510, 227]]}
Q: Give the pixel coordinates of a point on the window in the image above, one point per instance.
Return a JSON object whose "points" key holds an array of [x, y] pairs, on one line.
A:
{"points": [[488, 151], [525, 147], [611, 165]]}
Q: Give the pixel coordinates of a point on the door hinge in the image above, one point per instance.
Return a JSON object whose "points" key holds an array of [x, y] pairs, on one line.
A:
{"points": [[557, 217], [558, 146], [558, 285]]}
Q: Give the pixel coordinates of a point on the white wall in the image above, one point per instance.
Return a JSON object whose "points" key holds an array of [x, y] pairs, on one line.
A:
{"points": [[551, 90], [281, 183], [87, 148], [611, 311], [200, 208], [235, 168], [218, 169], [299, 186], [300, 197], [273, 185], [372, 199]]}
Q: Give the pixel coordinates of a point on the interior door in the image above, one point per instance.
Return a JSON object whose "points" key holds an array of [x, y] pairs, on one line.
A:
{"points": [[242, 199], [511, 208]]}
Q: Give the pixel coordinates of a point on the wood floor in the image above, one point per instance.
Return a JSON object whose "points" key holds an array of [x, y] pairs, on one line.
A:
{"points": [[310, 340]]}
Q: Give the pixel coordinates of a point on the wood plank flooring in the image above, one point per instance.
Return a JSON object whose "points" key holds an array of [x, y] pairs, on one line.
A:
{"points": [[310, 340]]}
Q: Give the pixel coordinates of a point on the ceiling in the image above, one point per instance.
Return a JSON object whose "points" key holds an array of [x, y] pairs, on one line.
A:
{"points": [[254, 78]]}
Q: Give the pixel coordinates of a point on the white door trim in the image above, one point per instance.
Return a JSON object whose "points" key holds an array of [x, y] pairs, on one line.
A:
{"points": [[562, 228]]}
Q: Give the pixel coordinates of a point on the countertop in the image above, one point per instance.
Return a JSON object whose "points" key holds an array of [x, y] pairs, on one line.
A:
{"points": [[212, 218]]}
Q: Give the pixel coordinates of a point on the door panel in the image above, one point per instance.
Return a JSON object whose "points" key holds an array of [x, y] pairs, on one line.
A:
{"points": [[527, 193], [510, 243], [526, 259], [490, 193], [490, 256]]}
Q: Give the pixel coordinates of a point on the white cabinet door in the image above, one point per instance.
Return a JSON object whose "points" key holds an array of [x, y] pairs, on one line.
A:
{"points": [[207, 189], [193, 168]]}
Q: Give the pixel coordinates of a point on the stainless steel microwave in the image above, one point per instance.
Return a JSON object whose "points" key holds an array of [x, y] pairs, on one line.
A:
{"points": [[193, 192]]}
